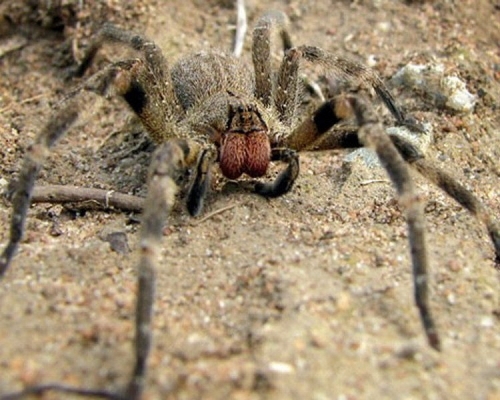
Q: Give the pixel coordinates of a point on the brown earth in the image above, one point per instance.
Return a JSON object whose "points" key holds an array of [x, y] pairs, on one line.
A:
{"points": [[308, 296]]}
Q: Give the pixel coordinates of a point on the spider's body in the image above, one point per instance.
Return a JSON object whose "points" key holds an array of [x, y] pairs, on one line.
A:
{"points": [[210, 107], [216, 93]]}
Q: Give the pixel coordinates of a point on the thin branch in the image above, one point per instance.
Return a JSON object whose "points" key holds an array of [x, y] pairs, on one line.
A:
{"points": [[371, 181], [241, 28], [212, 214], [73, 194], [28, 100], [12, 44], [55, 387]]}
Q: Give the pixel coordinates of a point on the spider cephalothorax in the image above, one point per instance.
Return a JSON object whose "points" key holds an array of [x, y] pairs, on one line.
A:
{"points": [[209, 108]]}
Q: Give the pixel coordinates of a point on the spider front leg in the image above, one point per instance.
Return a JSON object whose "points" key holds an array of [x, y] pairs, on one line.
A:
{"points": [[371, 134], [315, 134], [353, 70], [286, 97], [168, 165]]}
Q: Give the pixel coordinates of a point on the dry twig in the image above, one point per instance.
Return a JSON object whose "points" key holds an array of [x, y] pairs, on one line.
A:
{"points": [[241, 28], [216, 212], [73, 194]]}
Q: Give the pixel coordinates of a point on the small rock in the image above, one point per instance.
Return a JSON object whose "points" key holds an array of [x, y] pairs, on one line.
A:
{"points": [[344, 301], [448, 91], [281, 367], [118, 242], [487, 322], [457, 95], [3, 185]]}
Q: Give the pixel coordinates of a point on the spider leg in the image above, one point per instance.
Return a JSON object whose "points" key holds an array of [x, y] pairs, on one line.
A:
{"points": [[287, 88], [64, 118], [313, 129], [33, 162], [152, 53], [372, 135], [126, 78], [351, 69], [451, 187], [285, 180], [285, 96], [314, 134], [282, 94], [462, 196], [168, 165], [147, 86], [261, 52]]}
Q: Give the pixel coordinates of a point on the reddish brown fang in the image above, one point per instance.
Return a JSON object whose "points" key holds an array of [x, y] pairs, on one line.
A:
{"points": [[244, 153], [232, 155], [258, 151]]}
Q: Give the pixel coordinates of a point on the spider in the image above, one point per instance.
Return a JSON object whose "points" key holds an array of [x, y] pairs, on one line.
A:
{"points": [[209, 108]]}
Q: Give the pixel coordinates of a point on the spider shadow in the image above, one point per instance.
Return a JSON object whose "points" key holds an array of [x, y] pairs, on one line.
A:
{"points": [[124, 158]]}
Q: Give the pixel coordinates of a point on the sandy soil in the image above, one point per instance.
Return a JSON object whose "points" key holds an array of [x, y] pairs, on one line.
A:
{"points": [[308, 296]]}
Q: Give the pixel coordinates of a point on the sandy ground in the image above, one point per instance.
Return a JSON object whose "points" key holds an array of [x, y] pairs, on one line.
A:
{"points": [[308, 296]]}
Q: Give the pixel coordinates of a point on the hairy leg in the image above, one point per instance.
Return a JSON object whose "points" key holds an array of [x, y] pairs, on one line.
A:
{"points": [[69, 110], [313, 129], [286, 90], [167, 167], [316, 133], [146, 86], [286, 93], [268, 24], [352, 70], [151, 53], [372, 135], [462, 196], [33, 162]]}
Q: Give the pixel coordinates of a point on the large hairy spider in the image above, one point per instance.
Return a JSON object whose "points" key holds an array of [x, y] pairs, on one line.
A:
{"points": [[209, 108]]}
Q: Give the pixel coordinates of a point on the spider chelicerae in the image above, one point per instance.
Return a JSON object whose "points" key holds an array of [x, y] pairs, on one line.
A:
{"points": [[210, 108]]}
